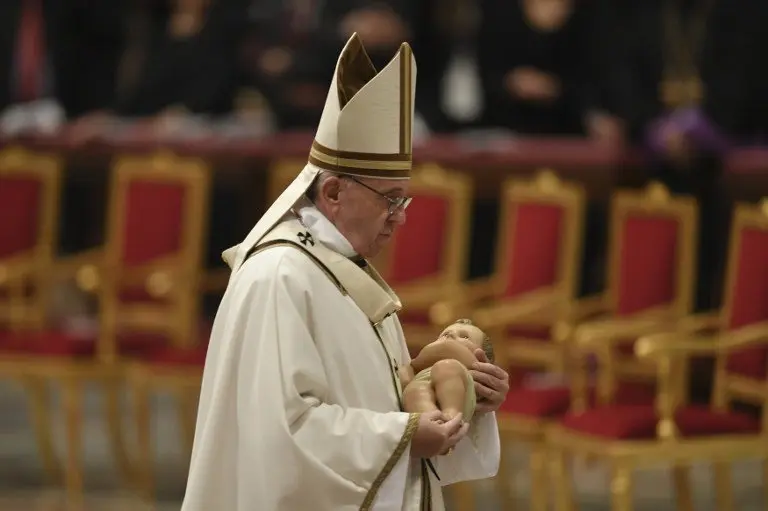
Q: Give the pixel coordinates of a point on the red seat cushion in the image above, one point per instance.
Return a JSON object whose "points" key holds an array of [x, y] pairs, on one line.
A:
{"points": [[54, 343], [555, 401], [46, 343], [638, 422], [178, 357]]}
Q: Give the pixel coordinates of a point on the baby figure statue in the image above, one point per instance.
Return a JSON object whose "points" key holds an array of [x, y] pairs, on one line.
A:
{"points": [[439, 378]]}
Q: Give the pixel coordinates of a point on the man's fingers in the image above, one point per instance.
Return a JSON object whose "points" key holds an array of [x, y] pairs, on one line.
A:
{"points": [[458, 435], [484, 378], [453, 425], [491, 370], [483, 391], [434, 415], [481, 356]]}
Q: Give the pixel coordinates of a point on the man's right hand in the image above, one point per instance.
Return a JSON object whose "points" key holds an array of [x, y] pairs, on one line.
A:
{"points": [[436, 436]]}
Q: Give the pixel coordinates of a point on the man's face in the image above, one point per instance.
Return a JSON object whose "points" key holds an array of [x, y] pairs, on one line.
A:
{"points": [[361, 212]]}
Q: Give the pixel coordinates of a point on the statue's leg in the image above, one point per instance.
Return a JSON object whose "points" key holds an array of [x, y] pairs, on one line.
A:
{"points": [[449, 377], [418, 397]]}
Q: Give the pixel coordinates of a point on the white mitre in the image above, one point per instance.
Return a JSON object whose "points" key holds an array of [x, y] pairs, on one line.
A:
{"points": [[365, 130]]}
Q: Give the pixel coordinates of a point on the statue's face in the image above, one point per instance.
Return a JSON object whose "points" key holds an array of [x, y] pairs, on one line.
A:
{"points": [[469, 335]]}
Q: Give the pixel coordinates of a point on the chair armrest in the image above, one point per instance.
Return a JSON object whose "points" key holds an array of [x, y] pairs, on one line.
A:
{"points": [[74, 266], [16, 268], [469, 295], [615, 331], [666, 345], [701, 322], [516, 310], [585, 308]]}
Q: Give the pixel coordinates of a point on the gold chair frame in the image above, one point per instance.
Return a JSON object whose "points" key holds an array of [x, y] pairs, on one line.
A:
{"points": [[15, 272], [98, 271], [668, 345], [179, 278], [540, 307]]}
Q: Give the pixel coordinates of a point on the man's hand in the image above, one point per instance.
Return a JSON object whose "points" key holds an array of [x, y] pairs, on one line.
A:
{"points": [[435, 436], [605, 128], [491, 384], [530, 84]]}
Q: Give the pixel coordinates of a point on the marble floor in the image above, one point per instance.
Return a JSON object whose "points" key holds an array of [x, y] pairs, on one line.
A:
{"points": [[22, 487]]}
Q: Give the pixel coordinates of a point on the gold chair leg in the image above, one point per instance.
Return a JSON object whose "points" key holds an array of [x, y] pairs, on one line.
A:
{"points": [[144, 466], [463, 496], [539, 469], [505, 478], [72, 401], [723, 489], [187, 416], [621, 488], [683, 488], [40, 415], [116, 431], [765, 484], [561, 479]]}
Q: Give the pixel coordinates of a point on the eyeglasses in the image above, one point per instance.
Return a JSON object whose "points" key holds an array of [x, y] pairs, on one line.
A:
{"points": [[395, 204]]}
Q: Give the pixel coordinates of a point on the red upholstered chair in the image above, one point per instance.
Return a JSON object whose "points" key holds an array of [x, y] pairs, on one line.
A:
{"points": [[535, 278], [659, 227], [150, 285], [673, 432], [29, 207], [146, 279]]}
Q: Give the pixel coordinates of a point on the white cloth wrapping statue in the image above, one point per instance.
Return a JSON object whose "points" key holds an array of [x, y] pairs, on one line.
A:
{"points": [[300, 406], [299, 410]]}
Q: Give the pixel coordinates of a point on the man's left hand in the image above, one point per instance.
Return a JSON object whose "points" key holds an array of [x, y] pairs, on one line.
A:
{"points": [[491, 384]]}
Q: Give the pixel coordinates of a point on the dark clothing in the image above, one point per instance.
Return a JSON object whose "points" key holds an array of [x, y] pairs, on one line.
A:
{"points": [[198, 72], [729, 59], [507, 41], [314, 41], [79, 50]]}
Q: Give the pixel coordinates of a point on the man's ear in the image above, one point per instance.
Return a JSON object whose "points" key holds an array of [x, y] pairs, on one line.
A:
{"points": [[330, 189]]}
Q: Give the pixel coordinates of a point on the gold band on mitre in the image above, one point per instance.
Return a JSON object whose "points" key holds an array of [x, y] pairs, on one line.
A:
{"points": [[380, 166]]}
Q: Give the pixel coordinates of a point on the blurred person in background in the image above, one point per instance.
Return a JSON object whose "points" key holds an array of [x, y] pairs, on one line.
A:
{"points": [[42, 46], [292, 44], [181, 58], [540, 63], [694, 83], [693, 86]]}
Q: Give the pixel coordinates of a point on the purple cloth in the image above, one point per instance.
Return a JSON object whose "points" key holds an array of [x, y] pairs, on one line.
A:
{"points": [[700, 131]]}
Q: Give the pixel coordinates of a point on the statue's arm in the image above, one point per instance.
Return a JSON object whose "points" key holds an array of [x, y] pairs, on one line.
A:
{"points": [[406, 375], [441, 350]]}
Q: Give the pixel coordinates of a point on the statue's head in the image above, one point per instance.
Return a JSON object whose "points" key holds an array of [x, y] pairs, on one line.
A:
{"points": [[466, 331]]}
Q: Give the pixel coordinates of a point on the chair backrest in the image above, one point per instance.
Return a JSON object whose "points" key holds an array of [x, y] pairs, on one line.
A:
{"points": [[652, 251], [430, 249], [155, 240], [540, 235], [30, 185], [742, 374]]}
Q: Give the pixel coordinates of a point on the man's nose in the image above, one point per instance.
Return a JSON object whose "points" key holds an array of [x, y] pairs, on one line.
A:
{"points": [[398, 217]]}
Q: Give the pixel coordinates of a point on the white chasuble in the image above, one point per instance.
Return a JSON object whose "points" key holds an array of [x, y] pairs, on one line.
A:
{"points": [[300, 405]]}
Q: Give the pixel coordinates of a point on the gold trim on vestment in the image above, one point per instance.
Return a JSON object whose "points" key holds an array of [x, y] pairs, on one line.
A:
{"points": [[405, 440], [286, 243], [406, 100]]}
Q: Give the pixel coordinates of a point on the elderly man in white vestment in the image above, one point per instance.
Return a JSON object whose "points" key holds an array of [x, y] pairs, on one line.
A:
{"points": [[301, 407]]}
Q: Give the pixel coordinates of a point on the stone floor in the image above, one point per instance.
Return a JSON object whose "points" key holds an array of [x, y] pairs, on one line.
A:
{"points": [[22, 487]]}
